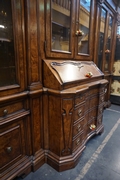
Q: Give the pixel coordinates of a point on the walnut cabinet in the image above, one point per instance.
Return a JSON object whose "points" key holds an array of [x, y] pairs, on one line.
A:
{"points": [[52, 86], [75, 105]]}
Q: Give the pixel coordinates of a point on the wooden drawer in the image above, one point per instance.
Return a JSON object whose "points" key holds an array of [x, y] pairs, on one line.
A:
{"points": [[93, 114], [79, 112], [80, 99], [94, 101], [86, 118], [12, 143], [77, 142], [78, 127], [10, 109], [87, 102], [93, 92]]}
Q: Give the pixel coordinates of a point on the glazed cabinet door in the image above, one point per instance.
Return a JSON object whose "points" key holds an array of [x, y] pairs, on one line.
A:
{"points": [[69, 29], [12, 47], [105, 41], [105, 30], [60, 25], [84, 33]]}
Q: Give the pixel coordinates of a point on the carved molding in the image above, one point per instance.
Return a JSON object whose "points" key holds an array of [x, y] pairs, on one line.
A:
{"points": [[67, 112]]}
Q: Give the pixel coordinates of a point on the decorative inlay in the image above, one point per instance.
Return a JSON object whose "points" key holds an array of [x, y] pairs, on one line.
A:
{"points": [[67, 125]]}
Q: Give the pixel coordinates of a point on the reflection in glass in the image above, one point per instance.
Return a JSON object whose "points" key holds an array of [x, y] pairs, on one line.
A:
{"points": [[61, 25], [7, 56], [101, 38], [84, 21], [108, 44]]}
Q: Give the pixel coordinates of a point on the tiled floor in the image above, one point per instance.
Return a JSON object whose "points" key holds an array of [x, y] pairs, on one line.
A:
{"points": [[99, 161]]}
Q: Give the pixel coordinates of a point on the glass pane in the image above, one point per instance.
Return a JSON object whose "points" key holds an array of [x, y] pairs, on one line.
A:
{"points": [[7, 55], [117, 49], [108, 44], [61, 25], [101, 38], [84, 21]]}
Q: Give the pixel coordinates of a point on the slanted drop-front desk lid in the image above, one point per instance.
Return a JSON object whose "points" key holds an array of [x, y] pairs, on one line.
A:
{"points": [[59, 73]]}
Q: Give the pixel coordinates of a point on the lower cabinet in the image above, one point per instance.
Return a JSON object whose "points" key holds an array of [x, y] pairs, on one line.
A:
{"points": [[73, 118], [73, 110], [14, 140]]}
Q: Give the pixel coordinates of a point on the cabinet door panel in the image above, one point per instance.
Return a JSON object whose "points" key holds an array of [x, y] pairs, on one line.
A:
{"points": [[84, 29], [60, 23], [12, 57], [12, 143]]}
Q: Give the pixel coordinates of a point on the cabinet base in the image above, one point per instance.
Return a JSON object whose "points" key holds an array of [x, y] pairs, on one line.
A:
{"points": [[64, 163], [38, 160], [69, 162], [21, 168]]}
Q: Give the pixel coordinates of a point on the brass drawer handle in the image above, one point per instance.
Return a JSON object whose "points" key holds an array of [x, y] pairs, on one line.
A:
{"points": [[78, 142], [5, 112], [9, 149], [79, 112]]}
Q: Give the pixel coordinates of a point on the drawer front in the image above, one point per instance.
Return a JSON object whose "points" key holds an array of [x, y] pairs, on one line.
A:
{"points": [[78, 127], [87, 104], [77, 142], [80, 99], [93, 92], [10, 109], [94, 101], [93, 114], [86, 119], [79, 112], [12, 143]]}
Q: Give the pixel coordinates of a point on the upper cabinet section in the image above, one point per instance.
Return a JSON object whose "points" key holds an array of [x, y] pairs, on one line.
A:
{"points": [[69, 28], [84, 29], [11, 46], [105, 27], [60, 28]]}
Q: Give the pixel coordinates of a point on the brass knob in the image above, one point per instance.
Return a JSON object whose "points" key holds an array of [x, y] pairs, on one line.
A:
{"points": [[9, 149], [5, 112]]}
